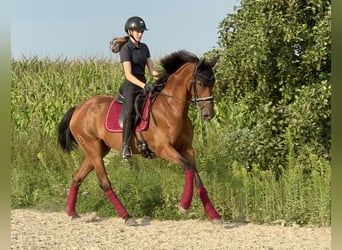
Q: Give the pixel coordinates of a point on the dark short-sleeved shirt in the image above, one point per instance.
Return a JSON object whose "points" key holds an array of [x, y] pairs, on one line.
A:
{"points": [[137, 56]]}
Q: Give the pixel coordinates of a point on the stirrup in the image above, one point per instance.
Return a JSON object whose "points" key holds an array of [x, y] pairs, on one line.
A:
{"points": [[126, 152], [144, 150]]}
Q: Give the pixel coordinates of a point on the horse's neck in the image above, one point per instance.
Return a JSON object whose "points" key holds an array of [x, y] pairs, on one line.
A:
{"points": [[172, 105], [178, 85]]}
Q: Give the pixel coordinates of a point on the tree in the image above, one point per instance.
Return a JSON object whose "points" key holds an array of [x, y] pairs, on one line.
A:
{"points": [[276, 54]]}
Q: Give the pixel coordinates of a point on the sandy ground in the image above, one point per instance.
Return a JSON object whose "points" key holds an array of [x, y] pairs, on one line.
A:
{"points": [[37, 230]]}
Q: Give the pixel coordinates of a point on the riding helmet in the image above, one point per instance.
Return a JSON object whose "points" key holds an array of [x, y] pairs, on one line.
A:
{"points": [[135, 23]]}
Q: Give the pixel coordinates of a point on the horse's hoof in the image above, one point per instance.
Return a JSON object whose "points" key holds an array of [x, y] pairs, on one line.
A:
{"points": [[217, 221], [182, 210], [145, 220], [75, 216], [130, 221]]}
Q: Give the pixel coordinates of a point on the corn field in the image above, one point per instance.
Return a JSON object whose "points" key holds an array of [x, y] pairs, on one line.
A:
{"points": [[42, 90]]}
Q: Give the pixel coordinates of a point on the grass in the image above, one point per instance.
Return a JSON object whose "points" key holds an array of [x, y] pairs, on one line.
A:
{"points": [[42, 90]]}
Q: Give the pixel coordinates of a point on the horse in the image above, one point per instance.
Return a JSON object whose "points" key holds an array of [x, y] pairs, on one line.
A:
{"points": [[185, 79]]}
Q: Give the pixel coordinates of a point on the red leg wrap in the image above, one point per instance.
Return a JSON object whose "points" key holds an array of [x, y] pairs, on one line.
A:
{"points": [[208, 206], [188, 189], [120, 209], [71, 202]]}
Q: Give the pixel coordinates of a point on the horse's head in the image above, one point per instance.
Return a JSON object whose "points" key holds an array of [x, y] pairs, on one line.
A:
{"points": [[203, 83]]}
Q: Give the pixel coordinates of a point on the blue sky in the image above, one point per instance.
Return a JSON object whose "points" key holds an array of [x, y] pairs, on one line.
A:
{"points": [[82, 29]]}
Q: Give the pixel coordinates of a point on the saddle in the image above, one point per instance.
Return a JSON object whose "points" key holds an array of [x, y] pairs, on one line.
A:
{"points": [[142, 106], [115, 117], [115, 114]]}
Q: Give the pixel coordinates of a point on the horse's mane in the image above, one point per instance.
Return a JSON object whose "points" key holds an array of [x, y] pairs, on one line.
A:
{"points": [[174, 61], [171, 63]]}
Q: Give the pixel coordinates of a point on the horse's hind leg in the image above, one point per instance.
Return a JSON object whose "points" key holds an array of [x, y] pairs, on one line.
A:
{"points": [[106, 186], [110, 194], [96, 151], [77, 178]]}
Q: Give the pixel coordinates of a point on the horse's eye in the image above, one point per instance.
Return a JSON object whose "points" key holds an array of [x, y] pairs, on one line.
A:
{"points": [[199, 83]]}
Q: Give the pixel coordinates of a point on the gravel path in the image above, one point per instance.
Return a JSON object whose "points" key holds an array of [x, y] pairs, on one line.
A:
{"points": [[41, 230]]}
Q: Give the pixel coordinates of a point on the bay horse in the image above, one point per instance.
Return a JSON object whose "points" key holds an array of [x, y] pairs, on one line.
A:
{"points": [[185, 79]]}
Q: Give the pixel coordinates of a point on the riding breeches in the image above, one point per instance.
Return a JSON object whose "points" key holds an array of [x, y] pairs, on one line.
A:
{"points": [[129, 92]]}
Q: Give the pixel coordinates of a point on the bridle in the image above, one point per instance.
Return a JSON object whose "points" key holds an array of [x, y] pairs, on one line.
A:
{"points": [[209, 99], [197, 100]]}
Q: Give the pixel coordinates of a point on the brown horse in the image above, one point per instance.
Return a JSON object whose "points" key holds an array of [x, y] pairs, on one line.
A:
{"points": [[186, 79]]}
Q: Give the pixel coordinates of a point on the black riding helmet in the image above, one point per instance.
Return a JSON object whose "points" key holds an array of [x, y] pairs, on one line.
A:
{"points": [[135, 23]]}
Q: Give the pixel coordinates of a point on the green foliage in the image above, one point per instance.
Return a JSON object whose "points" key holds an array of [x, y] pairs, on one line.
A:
{"points": [[275, 67], [270, 44], [298, 193], [264, 158], [226, 151], [39, 88], [39, 178]]}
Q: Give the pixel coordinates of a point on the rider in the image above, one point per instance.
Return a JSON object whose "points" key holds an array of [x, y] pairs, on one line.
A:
{"points": [[135, 56]]}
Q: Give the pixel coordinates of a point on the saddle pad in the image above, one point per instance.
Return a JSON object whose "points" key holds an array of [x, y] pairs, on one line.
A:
{"points": [[113, 115]]}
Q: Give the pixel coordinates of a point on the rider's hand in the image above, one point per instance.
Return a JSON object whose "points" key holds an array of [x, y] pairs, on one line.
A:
{"points": [[149, 87]]}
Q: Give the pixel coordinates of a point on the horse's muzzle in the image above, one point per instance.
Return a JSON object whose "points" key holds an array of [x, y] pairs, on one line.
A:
{"points": [[207, 113]]}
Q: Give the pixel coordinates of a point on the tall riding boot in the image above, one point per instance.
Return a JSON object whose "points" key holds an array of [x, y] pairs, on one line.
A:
{"points": [[126, 138]]}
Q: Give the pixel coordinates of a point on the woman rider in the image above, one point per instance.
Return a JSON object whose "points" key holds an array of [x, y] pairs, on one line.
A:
{"points": [[134, 56]]}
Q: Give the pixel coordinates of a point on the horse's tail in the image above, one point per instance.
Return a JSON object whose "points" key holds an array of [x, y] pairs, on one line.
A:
{"points": [[65, 138]]}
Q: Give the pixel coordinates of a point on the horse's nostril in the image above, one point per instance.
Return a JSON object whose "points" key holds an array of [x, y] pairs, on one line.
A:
{"points": [[206, 117]]}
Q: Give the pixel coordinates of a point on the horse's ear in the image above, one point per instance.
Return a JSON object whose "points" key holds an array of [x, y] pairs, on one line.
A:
{"points": [[214, 60]]}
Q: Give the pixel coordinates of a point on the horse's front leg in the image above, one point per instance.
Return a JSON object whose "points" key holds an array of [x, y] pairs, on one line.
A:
{"points": [[187, 161], [192, 175], [209, 209], [185, 202]]}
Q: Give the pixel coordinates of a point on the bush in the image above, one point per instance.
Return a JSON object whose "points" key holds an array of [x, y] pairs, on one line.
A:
{"points": [[232, 152]]}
